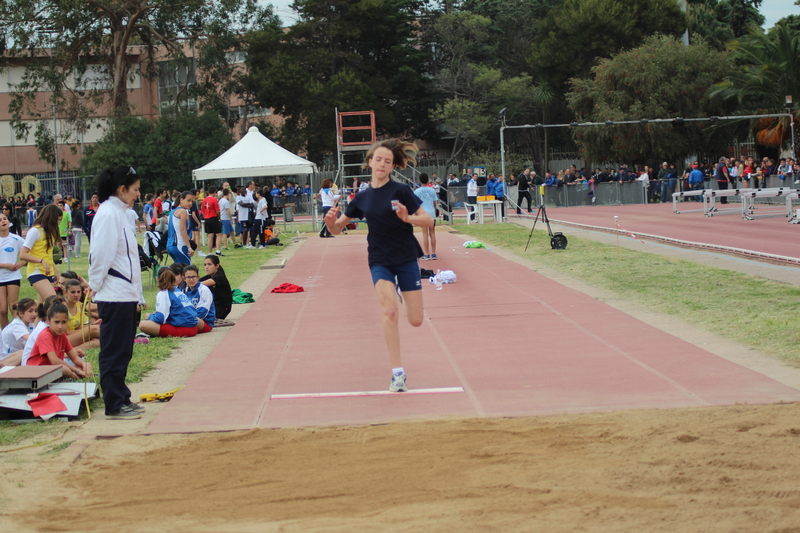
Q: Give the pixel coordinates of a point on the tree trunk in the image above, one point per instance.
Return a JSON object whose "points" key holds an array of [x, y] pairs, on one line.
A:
{"points": [[121, 33]]}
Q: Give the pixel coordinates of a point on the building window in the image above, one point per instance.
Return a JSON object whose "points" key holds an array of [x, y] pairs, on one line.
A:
{"points": [[252, 111], [175, 80], [94, 78], [234, 58]]}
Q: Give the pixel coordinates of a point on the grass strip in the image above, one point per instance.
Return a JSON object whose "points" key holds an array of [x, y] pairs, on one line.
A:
{"points": [[753, 311]]}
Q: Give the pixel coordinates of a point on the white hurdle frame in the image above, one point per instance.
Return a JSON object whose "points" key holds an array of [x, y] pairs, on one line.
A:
{"points": [[790, 214], [687, 194], [748, 204], [710, 201]]}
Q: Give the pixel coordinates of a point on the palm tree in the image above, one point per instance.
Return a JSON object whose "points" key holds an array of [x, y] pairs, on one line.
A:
{"points": [[769, 72]]}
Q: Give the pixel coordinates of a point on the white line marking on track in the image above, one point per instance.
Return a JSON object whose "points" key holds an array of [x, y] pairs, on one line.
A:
{"points": [[444, 390]]}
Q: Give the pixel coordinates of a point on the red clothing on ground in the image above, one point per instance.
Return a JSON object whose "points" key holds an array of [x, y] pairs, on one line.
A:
{"points": [[168, 330]]}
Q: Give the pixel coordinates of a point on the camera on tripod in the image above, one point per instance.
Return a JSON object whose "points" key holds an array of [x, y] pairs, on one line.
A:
{"points": [[558, 241]]}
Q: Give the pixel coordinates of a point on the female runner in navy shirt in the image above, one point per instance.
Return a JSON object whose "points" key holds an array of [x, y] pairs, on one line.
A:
{"points": [[392, 250]]}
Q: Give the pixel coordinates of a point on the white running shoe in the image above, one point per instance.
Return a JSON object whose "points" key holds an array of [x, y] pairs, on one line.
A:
{"points": [[201, 253], [250, 247], [398, 383]]}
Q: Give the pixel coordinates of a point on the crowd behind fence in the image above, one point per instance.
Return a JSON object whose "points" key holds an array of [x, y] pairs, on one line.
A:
{"points": [[17, 188]]}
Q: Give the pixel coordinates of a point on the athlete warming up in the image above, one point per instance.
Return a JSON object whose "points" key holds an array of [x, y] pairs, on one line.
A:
{"points": [[391, 210]]}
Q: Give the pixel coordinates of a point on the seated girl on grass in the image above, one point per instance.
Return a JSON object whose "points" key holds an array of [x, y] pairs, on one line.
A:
{"points": [[177, 269], [52, 346], [17, 332], [174, 316], [216, 280], [41, 324], [14, 336], [202, 299], [82, 331], [61, 282]]}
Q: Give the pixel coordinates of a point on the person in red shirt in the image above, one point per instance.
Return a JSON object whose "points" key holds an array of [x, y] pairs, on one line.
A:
{"points": [[52, 345], [158, 206], [210, 210]]}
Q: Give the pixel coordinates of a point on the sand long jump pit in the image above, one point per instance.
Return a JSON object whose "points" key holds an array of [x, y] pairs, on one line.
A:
{"points": [[698, 469]]}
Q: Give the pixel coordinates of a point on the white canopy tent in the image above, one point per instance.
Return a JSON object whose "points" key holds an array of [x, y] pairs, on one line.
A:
{"points": [[254, 156]]}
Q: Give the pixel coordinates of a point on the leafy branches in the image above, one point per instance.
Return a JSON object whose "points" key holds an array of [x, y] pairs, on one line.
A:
{"points": [[660, 79]]}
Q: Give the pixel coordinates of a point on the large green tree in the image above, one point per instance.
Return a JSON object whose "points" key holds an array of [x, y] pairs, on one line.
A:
{"points": [[662, 78], [720, 21], [163, 151], [514, 25], [80, 51], [741, 15], [580, 32], [473, 89], [768, 72], [353, 55]]}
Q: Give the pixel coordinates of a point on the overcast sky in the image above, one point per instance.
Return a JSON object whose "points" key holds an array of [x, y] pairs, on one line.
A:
{"points": [[773, 10]]}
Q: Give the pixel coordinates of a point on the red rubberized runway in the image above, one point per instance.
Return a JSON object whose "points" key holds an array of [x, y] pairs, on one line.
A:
{"points": [[518, 343], [770, 235]]}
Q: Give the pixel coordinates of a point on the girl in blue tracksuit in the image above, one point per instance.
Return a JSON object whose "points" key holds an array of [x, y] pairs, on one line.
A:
{"points": [[175, 316], [178, 243], [202, 299]]}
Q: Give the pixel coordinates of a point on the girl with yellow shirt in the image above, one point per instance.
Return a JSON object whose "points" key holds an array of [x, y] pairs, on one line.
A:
{"points": [[80, 330], [38, 251]]}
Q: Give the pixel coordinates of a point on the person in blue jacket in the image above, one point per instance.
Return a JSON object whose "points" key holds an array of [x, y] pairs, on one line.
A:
{"points": [[202, 299], [696, 181], [491, 181], [499, 193], [175, 316]]}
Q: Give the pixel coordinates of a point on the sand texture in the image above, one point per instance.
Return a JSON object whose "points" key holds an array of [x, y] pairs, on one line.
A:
{"points": [[725, 469]]}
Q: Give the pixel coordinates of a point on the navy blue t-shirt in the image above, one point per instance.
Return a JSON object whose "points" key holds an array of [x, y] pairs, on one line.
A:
{"points": [[390, 240]]}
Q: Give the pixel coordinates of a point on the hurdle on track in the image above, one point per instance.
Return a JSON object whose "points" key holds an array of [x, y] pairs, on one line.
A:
{"points": [[790, 213], [748, 202], [710, 201], [676, 196]]}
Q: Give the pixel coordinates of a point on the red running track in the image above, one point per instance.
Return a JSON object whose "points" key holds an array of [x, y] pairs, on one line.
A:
{"points": [[772, 235], [517, 342]]}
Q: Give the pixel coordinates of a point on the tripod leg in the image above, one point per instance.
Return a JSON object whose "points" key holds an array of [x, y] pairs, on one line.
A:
{"points": [[546, 221], [536, 219]]}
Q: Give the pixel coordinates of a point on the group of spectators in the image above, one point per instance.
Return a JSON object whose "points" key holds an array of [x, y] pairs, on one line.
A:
{"points": [[730, 172], [290, 193], [21, 201], [56, 328], [241, 216]]}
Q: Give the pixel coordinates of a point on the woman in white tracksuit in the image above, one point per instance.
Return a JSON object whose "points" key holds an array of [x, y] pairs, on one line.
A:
{"points": [[116, 280]]}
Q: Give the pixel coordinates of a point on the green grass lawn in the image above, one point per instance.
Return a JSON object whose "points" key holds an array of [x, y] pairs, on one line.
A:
{"points": [[239, 265], [711, 298]]}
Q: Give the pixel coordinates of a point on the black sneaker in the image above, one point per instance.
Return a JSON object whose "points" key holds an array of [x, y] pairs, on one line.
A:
{"points": [[125, 413], [135, 407], [220, 254], [237, 245]]}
